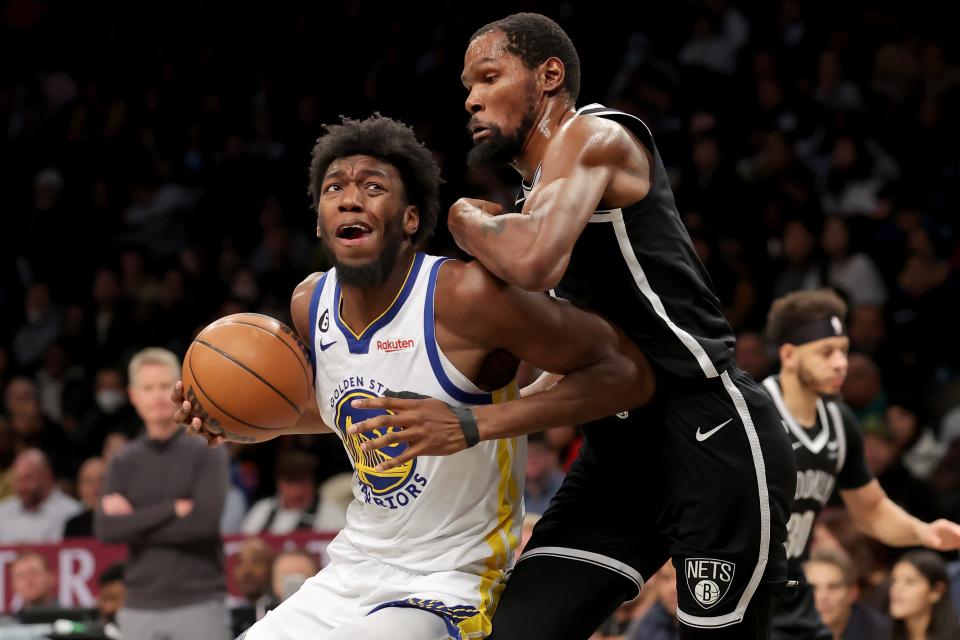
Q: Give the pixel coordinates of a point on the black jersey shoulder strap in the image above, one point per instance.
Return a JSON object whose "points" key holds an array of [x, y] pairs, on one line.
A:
{"points": [[839, 429]]}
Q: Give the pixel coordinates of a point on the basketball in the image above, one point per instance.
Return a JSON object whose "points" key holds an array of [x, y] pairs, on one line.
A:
{"points": [[247, 375]]}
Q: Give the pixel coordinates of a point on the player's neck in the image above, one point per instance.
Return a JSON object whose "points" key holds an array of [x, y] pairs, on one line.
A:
{"points": [[360, 306], [801, 401], [555, 112]]}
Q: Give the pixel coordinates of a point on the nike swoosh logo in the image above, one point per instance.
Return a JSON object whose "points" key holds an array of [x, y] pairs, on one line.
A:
{"points": [[324, 347], [703, 436]]}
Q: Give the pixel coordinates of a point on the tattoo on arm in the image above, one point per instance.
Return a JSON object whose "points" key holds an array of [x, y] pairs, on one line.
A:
{"points": [[494, 225]]}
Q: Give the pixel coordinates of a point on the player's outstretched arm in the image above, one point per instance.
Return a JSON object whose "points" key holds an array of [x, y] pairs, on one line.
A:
{"points": [[310, 420], [604, 372], [878, 516], [532, 249]]}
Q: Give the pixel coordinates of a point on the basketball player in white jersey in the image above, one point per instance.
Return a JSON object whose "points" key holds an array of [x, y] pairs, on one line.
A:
{"points": [[808, 328], [426, 544]]}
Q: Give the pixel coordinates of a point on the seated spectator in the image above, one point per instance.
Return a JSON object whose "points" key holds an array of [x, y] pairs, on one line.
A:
{"points": [[297, 504], [111, 412], [32, 583], [112, 594], [920, 599], [753, 355], [90, 488], [38, 510], [234, 511], [290, 570], [660, 621], [544, 476], [251, 577], [835, 591], [112, 444], [30, 428]]}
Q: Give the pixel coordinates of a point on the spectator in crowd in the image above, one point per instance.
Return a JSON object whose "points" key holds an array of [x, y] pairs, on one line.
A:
{"points": [[33, 583], [30, 428], [290, 570], [170, 524], [544, 476], [234, 511], [90, 488], [853, 273], [297, 504], [112, 592], [111, 412], [832, 575], [42, 327], [660, 621], [920, 599], [38, 510], [251, 578], [112, 445], [753, 355]]}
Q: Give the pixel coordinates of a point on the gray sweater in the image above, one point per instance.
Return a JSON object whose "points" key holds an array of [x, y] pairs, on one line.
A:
{"points": [[172, 562]]}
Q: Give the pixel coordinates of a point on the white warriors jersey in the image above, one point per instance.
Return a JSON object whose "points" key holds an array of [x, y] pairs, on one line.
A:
{"points": [[459, 512]]}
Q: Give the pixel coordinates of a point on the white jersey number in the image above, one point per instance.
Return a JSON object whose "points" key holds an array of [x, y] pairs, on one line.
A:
{"points": [[798, 532]]}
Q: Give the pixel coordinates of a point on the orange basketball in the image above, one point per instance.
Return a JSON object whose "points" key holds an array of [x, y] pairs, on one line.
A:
{"points": [[248, 375]]}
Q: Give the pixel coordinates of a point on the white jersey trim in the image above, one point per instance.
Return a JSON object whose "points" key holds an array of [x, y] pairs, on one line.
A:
{"points": [[589, 557], [640, 278], [819, 442], [841, 434]]}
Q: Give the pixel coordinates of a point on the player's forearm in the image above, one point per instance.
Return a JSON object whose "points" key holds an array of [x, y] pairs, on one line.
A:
{"points": [[890, 524], [584, 395], [507, 245]]}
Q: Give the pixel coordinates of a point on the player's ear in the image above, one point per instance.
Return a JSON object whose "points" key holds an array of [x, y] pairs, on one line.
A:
{"points": [[411, 220], [787, 353], [552, 75]]}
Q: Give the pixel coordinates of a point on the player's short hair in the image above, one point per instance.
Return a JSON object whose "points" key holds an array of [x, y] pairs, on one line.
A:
{"points": [[837, 558], [534, 38], [152, 355], [801, 308], [391, 141]]}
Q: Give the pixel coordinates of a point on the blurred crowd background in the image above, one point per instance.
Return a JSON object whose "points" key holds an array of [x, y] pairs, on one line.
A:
{"points": [[154, 160]]}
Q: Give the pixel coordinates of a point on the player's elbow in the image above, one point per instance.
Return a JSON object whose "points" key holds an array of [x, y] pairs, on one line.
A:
{"points": [[630, 375], [538, 272], [642, 381]]}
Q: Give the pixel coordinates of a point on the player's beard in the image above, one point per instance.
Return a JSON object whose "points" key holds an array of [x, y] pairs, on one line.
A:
{"points": [[375, 272], [810, 381], [499, 148]]}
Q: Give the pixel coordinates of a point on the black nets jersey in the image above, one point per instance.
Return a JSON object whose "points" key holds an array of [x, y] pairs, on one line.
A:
{"points": [[637, 267], [828, 455]]}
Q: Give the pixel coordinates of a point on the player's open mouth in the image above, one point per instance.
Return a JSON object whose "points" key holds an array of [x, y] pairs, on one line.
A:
{"points": [[353, 233], [479, 132]]}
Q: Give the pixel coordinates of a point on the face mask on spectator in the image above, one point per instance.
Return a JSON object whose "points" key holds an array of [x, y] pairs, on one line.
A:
{"points": [[109, 400]]}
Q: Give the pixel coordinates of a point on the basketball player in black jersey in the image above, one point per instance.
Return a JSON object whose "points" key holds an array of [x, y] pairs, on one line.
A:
{"points": [[808, 328], [704, 473]]}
